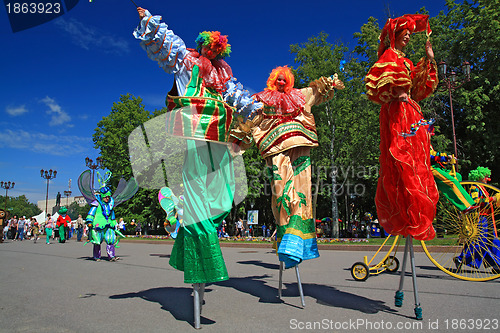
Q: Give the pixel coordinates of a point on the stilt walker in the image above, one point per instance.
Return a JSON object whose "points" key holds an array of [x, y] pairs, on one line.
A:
{"points": [[406, 195], [284, 133], [203, 105]]}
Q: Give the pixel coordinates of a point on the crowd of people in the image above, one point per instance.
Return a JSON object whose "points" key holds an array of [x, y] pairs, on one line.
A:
{"points": [[19, 229]]}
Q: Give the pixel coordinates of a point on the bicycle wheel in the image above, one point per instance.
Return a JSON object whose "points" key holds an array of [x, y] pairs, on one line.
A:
{"points": [[467, 245], [392, 264], [359, 271]]}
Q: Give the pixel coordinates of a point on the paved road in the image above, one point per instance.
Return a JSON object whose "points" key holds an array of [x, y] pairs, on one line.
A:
{"points": [[57, 288]]}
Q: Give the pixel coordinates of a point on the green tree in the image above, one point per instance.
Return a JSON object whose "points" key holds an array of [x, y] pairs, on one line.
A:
{"points": [[20, 206], [468, 32], [111, 137], [74, 210], [347, 125]]}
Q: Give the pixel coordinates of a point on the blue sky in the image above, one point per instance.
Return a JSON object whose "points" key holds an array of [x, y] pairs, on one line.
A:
{"points": [[60, 78]]}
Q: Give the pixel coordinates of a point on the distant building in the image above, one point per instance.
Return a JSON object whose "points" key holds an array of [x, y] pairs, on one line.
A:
{"points": [[65, 201]]}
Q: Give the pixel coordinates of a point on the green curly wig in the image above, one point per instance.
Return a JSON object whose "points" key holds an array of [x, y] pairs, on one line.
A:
{"points": [[479, 174]]}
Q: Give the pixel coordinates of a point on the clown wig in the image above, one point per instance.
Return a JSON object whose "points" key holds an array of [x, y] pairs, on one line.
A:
{"points": [[215, 42], [286, 72], [479, 174]]}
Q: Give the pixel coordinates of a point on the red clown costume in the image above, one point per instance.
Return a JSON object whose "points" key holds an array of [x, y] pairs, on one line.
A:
{"points": [[406, 194]]}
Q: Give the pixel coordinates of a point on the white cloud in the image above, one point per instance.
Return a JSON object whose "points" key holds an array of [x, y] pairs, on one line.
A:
{"points": [[44, 143], [16, 110], [88, 37], [59, 116]]}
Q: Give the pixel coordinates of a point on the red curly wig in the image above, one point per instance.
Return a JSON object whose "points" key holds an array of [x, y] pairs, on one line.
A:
{"points": [[286, 72]]}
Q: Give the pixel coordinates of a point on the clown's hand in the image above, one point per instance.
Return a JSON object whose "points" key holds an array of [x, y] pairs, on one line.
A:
{"points": [[142, 12]]}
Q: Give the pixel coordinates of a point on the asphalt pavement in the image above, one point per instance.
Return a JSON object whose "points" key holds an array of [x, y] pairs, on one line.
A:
{"points": [[58, 288]]}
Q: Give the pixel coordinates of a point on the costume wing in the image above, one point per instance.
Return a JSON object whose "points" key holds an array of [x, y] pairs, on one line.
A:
{"points": [[170, 203], [125, 190], [85, 186]]}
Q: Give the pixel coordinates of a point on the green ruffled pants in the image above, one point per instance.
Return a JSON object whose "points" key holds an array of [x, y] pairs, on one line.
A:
{"points": [[208, 179]]}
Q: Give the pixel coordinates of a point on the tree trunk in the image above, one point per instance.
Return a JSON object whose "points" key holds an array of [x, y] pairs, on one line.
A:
{"points": [[335, 209]]}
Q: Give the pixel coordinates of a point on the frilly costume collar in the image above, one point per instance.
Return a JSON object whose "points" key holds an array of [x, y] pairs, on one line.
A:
{"points": [[215, 73], [282, 102]]}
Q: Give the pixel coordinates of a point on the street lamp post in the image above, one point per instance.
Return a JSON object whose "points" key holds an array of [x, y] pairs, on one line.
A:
{"points": [[450, 82], [68, 193], [6, 186], [93, 166], [51, 174]]}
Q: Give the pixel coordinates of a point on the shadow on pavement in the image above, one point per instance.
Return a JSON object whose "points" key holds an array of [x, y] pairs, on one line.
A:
{"points": [[260, 263], [177, 301], [325, 295]]}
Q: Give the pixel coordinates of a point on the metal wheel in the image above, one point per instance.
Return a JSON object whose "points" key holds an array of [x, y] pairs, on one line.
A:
{"points": [[392, 264], [360, 271], [467, 245]]}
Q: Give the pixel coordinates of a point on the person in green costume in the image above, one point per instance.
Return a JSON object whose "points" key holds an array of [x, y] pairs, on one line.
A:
{"points": [[101, 218], [62, 223], [203, 105]]}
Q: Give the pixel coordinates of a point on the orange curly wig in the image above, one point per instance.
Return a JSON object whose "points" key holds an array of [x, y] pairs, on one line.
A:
{"points": [[286, 72]]}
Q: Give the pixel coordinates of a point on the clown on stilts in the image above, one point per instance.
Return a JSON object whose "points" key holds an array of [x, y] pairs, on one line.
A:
{"points": [[406, 195], [203, 105], [285, 132], [101, 219]]}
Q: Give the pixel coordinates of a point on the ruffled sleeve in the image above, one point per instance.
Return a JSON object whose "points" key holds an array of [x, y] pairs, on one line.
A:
{"points": [[389, 73], [322, 89], [246, 114], [161, 44], [246, 106], [424, 80]]}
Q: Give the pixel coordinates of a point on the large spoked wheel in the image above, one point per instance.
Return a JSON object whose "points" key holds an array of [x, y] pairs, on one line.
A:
{"points": [[392, 264], [360, 271], [467, 246]]}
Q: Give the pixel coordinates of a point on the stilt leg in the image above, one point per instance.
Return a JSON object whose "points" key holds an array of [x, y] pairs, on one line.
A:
{"points": [[280, 284], [418, 309], [196, 300], [202, 294], [300, 286], [398, 298]]}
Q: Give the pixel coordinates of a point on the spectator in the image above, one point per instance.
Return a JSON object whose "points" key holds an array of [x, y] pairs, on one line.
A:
{"points": [[138, 228], [20, 228], [35, 231], [121, 225], [239, 227], [13, 227], [79, 228], [49, 226]]}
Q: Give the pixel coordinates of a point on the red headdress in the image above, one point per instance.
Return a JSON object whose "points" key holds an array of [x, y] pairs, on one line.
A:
{"points": [[412, 22]]}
